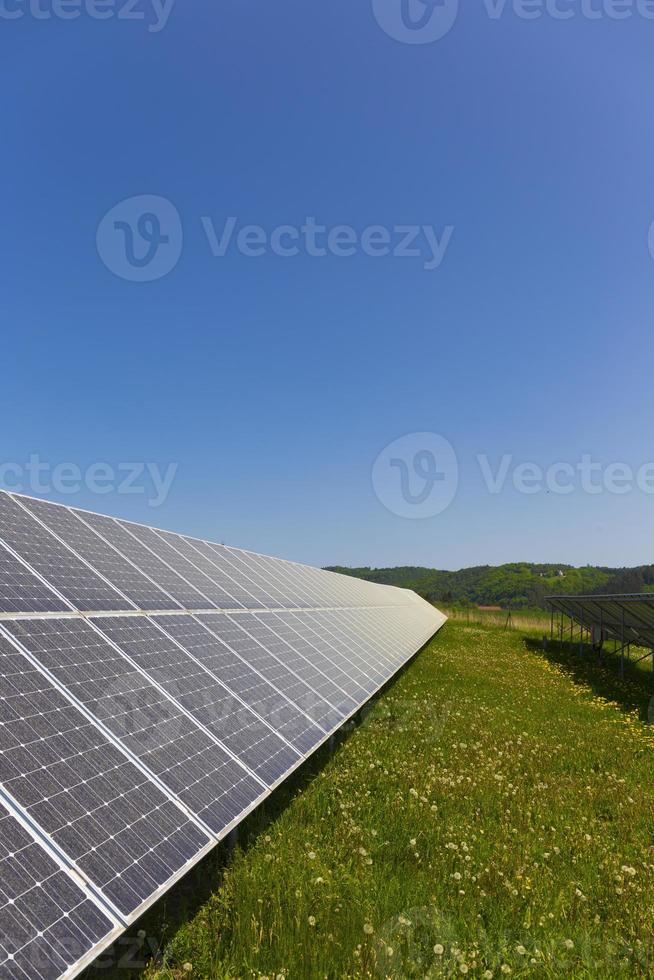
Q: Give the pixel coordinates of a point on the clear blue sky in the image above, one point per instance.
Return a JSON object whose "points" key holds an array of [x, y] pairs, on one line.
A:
{"points": [[274, 383]]}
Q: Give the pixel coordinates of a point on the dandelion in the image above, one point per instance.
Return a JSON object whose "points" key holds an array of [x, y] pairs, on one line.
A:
{"points": [[569, 944], [487, 975], [368, 929], [457, 876], [521, 950], [438, 949], [187, 968], [311, 855], [463, 968], [311, 920]]}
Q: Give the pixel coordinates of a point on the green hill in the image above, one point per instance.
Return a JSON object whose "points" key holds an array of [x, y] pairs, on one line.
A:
{"points": [[517, 585]]}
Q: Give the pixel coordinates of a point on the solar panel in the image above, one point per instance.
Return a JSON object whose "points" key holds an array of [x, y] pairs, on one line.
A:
{"points": [[150, 725], [234, 630], [247, 568], [305, 662], [326, 661], [170, 581], [323, 630], [21, 591], [189, 569], [105, 815], [62, 569], [287, 592], [154, 688], [215, 705], [626, 618], [305, 728], [209, 644], [157, 654], [88, 544], [238, 596], [49, 923]]}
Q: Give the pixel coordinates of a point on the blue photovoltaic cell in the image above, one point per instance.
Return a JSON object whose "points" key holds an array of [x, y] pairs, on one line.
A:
{"points": [[175, 585], [209, 699], [21, 591], [47, 923], [94, 804], [235, 635], [333, 660], [143, 593], [51, 559], [318, 673], [249, 685], [191, 765], [189, 569], [213, 563]]}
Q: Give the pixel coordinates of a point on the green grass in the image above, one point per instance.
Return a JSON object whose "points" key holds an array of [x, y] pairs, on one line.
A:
{"points": [[496, 805], [530, 620]]}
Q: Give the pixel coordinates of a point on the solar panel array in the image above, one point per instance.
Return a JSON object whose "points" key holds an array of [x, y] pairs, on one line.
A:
{"points": [[154, 689], [626, 618]]}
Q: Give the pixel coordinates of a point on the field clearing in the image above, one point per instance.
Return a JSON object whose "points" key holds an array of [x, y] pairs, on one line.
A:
{"points": [[493, 814], [529, 620]]}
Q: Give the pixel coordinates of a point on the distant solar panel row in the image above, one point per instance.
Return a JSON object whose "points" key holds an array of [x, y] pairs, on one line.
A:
{"points": [[154, 688]]}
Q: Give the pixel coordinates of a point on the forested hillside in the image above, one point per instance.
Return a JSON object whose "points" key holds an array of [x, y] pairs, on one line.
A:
{"points": [[514, 586]]}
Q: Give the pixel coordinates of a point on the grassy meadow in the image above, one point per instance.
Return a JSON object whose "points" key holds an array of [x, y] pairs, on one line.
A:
{"points": [[491, 815]]}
